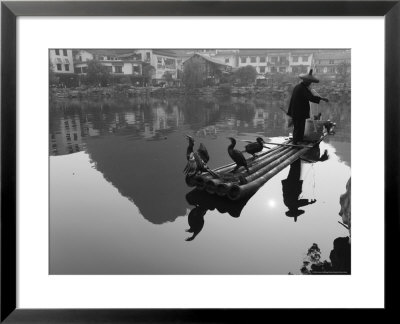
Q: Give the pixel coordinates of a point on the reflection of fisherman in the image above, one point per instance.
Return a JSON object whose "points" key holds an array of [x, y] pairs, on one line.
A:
{"points": [[292, 188], [299, 107]]}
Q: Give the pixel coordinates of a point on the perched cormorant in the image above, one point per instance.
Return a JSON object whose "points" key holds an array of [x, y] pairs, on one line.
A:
{"points": [[236, 156], [197, 161], [190, 147], [317, 117], [328, 125], [255, 147]]}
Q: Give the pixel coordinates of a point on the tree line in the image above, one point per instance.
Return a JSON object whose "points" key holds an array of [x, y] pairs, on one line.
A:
{"points": [[194, 75]]}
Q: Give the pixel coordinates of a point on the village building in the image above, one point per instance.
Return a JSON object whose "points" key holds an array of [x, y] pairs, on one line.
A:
{"points": [[300, 61], [117, 62], [164, 62], [225, 56], [212, 68], [229, 57], [278, 61], [61, 63], [332, 63], [255, 58]]}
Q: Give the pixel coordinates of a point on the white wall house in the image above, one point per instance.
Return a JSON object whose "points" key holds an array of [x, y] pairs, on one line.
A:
{"points": [[162, 60], [62, 61], [115, 67], [83, 56], [300, 61], [228, 57], [256, 58], [278, 62], [117, 64], [330, 63]]}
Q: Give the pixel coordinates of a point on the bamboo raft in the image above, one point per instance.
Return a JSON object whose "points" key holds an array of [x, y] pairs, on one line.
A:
{"points": [[242, 184]]}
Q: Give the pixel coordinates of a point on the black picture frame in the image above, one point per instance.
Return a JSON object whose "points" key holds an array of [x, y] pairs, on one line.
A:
{"points": [[10, 10]]}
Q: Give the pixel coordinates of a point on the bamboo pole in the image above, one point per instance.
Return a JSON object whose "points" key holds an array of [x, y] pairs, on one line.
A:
{"points": [[270, 166], [231, 166], [292, 145], [200, 180], [237, 191], [210, 183], [273, 158]]}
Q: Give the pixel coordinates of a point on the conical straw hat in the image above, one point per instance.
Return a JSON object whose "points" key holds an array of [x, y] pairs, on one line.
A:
{"points": [[309, 77]]}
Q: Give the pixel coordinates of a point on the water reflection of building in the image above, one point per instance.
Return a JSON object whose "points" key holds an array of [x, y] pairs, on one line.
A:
{"points": [[67, 138], [113, 133]]}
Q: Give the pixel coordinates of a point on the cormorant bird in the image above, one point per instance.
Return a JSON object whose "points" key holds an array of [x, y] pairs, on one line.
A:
{"points": [[236, 156], [317, 117], [328, 125], [197, 161], [189, 150], [255, 147]]}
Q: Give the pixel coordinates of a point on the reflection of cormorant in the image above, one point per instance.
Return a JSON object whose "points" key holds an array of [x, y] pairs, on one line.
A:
{"points": [[204, 202], [292, 188], [255, 147], [196, 221], [236, 156]]}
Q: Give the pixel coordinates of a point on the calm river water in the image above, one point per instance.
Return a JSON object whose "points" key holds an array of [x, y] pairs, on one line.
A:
{"points": [[119, 203]]}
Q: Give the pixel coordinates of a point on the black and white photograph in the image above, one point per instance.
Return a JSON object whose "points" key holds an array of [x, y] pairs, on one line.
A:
{"points": [[199, 161]]}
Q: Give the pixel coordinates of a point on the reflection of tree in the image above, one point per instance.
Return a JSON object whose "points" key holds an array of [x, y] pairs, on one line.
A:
{"points": [[345, 205], [340, 259], [199, 113], [340, 256]]}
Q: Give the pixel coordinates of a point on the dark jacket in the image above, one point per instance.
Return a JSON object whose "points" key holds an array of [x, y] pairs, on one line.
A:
{"points": [[299, 107]]}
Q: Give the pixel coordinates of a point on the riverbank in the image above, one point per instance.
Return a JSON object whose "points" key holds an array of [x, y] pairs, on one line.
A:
{"points": [[335, 92]]}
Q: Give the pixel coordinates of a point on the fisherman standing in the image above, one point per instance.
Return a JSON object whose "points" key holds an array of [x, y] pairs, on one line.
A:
{"points": [[299, 107]]}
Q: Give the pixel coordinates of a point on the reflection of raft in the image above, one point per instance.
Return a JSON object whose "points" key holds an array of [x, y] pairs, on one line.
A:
{"points": [[201, 198], [242, 183]]}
